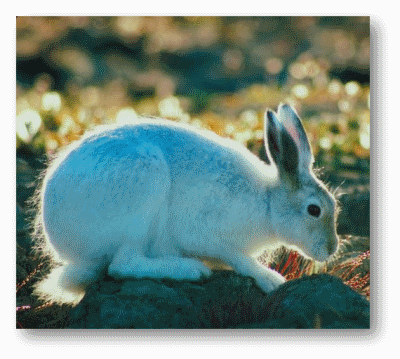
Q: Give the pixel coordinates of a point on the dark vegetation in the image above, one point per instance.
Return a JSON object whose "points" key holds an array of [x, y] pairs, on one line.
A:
{"points": [[213, 72]]}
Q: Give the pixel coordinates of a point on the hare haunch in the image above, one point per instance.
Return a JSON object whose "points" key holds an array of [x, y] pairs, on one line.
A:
{"points": [[148, 199]]}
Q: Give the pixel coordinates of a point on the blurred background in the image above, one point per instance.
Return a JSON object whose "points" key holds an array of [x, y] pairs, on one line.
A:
{"points": [[214, 72]]}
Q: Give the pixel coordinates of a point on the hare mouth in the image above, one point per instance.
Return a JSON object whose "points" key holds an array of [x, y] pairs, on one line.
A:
{"points": [[323, 256]]}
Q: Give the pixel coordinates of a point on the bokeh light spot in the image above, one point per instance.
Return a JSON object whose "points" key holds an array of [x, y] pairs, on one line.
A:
{"points": [[274, 65], [51, 101], [126, 115], [334, 87], [170, 107], [298, 71], [300, 91], [28, 123], [250, 118], [352, 88], [325, 143]]}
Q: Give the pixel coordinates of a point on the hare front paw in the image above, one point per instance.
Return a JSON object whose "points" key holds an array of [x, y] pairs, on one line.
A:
{"points": [[190, 269], [270, 281]]}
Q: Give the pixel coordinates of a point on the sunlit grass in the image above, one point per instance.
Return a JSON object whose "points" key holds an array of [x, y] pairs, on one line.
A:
{"points": [[353, 271], [338, 126]]}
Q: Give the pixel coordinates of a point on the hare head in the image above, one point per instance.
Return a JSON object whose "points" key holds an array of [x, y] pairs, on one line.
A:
{"points": [[303, 212]]}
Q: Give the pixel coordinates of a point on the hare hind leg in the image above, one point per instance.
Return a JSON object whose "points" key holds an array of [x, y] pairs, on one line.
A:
{"points": [[150, 253], [67, 283]]}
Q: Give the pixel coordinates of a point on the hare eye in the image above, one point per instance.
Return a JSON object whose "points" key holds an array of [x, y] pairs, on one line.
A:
{"points": [[314, 210]]}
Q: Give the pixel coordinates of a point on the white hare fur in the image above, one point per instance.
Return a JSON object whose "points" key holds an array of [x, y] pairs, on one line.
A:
{"points": [[148, 199]]}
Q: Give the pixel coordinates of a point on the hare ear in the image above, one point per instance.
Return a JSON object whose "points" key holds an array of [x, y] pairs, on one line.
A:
{"points": [[272, 138], [294, 127], [280, 148]]}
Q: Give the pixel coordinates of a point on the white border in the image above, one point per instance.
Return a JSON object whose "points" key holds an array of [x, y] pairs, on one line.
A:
{"points": [[384, 27]]}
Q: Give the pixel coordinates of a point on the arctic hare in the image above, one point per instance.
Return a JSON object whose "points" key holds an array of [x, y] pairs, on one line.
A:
{"points": [[148, 199]]}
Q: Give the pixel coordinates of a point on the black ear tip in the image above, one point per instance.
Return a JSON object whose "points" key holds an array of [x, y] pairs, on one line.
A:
{"points": [[270, 115], [285, 106]]}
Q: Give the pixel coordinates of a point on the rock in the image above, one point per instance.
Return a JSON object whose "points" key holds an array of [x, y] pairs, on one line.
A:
{"points": [[225, 300], [317, 301], [143, 304]]}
